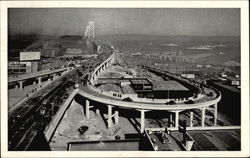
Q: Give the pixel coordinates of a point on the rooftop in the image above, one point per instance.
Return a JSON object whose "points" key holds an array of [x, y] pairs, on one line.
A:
{"points": [[140, 81], [128, 90]]}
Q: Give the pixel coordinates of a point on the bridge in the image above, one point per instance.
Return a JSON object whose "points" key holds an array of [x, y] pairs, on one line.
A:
{"points": [[21, 78], [90, 93], [92, 96]]}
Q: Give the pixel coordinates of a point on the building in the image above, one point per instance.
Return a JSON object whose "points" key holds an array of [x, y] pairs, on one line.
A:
{"points": [[199, 65], [170, 56], [223, 74], [19, 67], [233, 81], [29, 62], [45, 44], [128, 92], [33, 58], [189, 76], [73, 51], [141, 84], [49, 52]]}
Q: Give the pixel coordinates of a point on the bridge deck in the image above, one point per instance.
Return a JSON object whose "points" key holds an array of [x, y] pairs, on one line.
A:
{"points": [[94, 95], [34, 75]]}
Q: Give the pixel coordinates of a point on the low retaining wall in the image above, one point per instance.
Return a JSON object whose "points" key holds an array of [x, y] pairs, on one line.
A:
{"points": [[51, 128]]}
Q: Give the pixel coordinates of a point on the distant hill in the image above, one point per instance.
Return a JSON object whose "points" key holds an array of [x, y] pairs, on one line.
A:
{"points": [[71, 37], [231, 63]]}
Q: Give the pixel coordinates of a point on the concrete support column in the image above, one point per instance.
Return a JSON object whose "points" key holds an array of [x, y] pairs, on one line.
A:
{"points": [[54, 77], [20, 85], [87, 109], [97, 112], [203, 117], [170, 120], [142, 121], [176, 119], [39, 81], [191, 118], [109, 116], [215, 114], [116, 118]]}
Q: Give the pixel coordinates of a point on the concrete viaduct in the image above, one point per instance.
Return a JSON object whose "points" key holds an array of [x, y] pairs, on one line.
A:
{"points": [[37, 75], [90, 94]]}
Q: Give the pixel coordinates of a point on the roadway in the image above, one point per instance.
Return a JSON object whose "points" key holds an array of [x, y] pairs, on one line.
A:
{"points": [[34, 75], [92, 94]]}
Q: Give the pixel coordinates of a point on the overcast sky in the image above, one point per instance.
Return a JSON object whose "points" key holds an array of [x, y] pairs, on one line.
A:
{"points": [[207, 22]]}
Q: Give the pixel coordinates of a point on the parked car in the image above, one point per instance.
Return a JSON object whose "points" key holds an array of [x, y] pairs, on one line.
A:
{"points": [[171, 102], [189, 102], [128, 99]]}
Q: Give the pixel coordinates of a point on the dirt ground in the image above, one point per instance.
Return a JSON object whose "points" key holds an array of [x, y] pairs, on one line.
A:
{"points": [[74, 118]]}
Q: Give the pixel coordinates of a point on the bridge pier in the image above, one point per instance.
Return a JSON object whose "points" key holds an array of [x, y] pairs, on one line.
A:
{"points": [[54, 76], [176, 119], [142, 121], [191, 118], [97, 111], [20, 85], [109, 117], [39, 81], [215, 114], [116, 118], [170, 119], [87, 108], [203, 117]]}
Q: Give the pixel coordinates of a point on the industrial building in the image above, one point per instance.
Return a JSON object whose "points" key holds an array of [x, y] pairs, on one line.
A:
{"points": [[19, 67], [73, 51], [170, 56], [29, 62], [50, 52]]}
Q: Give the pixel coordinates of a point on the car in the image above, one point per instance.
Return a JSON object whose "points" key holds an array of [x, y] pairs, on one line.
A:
{"points": [[171, 102], [117, 137], [210, 94], [189, 102], [165, 138], [42, 111], [128, 99]]}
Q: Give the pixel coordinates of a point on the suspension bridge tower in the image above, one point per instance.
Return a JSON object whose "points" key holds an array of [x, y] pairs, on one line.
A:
{"points": [[90, 30]]}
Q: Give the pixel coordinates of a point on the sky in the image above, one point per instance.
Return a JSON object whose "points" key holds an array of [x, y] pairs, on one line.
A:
{"points": [[153, 21]]}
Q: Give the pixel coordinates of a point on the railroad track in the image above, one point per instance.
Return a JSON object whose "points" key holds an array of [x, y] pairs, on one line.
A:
{"points": [[23, 125]]}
